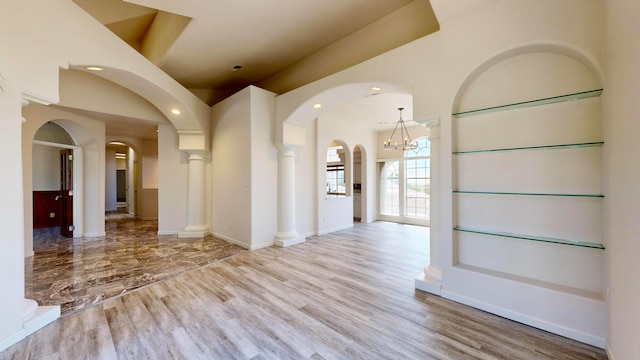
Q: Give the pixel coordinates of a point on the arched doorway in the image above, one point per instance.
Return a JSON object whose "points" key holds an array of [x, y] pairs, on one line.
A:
{"points": [[53, 179]]}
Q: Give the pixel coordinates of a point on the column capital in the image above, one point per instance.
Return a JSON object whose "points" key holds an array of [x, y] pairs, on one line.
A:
{"points": [[191, 140], [287, 150], [197, 154]]}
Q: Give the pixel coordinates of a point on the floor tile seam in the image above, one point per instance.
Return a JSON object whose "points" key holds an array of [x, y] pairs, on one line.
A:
{"points": [[171, 277]]}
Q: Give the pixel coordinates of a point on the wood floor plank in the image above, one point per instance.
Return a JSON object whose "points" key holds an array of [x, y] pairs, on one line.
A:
{"points": [[345, 295]]}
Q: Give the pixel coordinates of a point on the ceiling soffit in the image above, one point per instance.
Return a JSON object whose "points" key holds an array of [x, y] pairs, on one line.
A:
{"points": [[280, 44]]}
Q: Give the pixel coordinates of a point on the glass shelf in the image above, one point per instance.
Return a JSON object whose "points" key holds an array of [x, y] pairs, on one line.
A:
{"points": [[537, 102], [533, 238], [539, 147], [526, 194]]}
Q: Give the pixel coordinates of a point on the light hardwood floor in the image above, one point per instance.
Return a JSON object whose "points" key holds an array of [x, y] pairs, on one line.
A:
{"points": [[345, 295]]}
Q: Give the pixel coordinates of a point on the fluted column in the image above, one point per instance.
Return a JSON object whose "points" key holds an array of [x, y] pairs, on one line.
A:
{"points": [[431, 279], [196, 195], [287, 234]]}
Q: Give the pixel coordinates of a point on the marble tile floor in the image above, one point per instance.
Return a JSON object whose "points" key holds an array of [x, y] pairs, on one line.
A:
{"points": [[81, 272]]}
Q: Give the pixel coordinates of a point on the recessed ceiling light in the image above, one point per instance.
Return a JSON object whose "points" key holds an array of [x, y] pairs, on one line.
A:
{"points": [[376, 88], [94, 68], [175, 111], [317, 106]]}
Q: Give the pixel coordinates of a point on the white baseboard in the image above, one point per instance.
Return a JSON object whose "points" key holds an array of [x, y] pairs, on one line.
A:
{"points": [[327, 231], [42, 317], [425, 284], [231, 240], [167, 232], [97, 234], [526, 319]]}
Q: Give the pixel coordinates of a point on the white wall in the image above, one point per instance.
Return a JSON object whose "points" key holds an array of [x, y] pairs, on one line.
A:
{"points": [[172, 182], [335, 213], [148, 196], [436, 68], [46, 168], [89, 135], [622, 175], [264, 169], [244, 169], [231, 168], [11, 215]]}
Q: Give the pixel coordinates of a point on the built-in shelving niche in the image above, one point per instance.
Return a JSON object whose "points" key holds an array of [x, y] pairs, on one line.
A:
{"points": [[528, 195]]}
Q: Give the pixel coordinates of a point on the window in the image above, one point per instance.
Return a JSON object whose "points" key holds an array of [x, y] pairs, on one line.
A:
{"points": [[418, 183], [390, 189], [335, 180], [405, 184], [335, 172]]}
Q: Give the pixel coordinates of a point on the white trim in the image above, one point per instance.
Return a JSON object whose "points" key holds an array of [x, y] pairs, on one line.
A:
{"points": [[167, 232], [327, 231], [526, 319], [423, 283], [91, 235], [231, 240], [57, 145], [43, 316]]}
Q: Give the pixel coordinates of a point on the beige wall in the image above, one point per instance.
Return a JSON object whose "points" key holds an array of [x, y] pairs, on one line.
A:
{"points": [[622, 176]]}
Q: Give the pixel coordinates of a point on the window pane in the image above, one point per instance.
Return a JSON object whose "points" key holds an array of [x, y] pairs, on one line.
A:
{"points": [[390, 189], [417, 181]]}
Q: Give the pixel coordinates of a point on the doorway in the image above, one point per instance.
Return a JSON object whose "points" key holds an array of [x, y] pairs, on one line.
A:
{"points": [[120, 179], [53, 179]]}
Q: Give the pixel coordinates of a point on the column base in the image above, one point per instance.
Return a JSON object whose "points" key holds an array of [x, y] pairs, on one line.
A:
{"points": [[430, 281], [288, 239], [194, 232]]}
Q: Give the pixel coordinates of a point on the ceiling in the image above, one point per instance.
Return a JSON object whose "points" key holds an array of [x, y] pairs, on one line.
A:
{"points": [[217, 47]]}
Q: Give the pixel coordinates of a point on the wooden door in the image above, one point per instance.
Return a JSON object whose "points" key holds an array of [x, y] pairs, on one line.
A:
{"points": [[66, 193]]}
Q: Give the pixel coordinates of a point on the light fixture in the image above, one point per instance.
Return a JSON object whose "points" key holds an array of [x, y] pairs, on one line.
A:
{"points": [[94, 68], [317, 106], [175, 111], [405, 142], [376, 88]]}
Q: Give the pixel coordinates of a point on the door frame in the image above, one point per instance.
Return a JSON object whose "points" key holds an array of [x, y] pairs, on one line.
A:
{"points": [[78, 185]]}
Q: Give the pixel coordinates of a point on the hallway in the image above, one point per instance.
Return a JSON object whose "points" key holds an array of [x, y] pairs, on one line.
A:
{"points": [[344, 295], [77, 273]]}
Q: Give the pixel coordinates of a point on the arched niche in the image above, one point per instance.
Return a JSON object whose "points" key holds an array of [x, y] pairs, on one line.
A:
{"points": [[527, 138]]}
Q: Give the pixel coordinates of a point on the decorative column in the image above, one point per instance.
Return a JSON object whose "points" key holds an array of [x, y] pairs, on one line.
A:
{"points": [[287, 234], [196, 194], [431, 279]]}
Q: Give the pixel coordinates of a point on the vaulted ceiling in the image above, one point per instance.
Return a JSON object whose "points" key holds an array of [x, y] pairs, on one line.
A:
{"points": [[217, 47]]}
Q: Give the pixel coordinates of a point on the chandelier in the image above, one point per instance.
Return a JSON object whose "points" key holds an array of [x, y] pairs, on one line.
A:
{"points": [[404, 142]]}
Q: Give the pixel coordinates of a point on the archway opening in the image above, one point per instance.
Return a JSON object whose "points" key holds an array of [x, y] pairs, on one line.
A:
{"points": [[53, 179]]}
